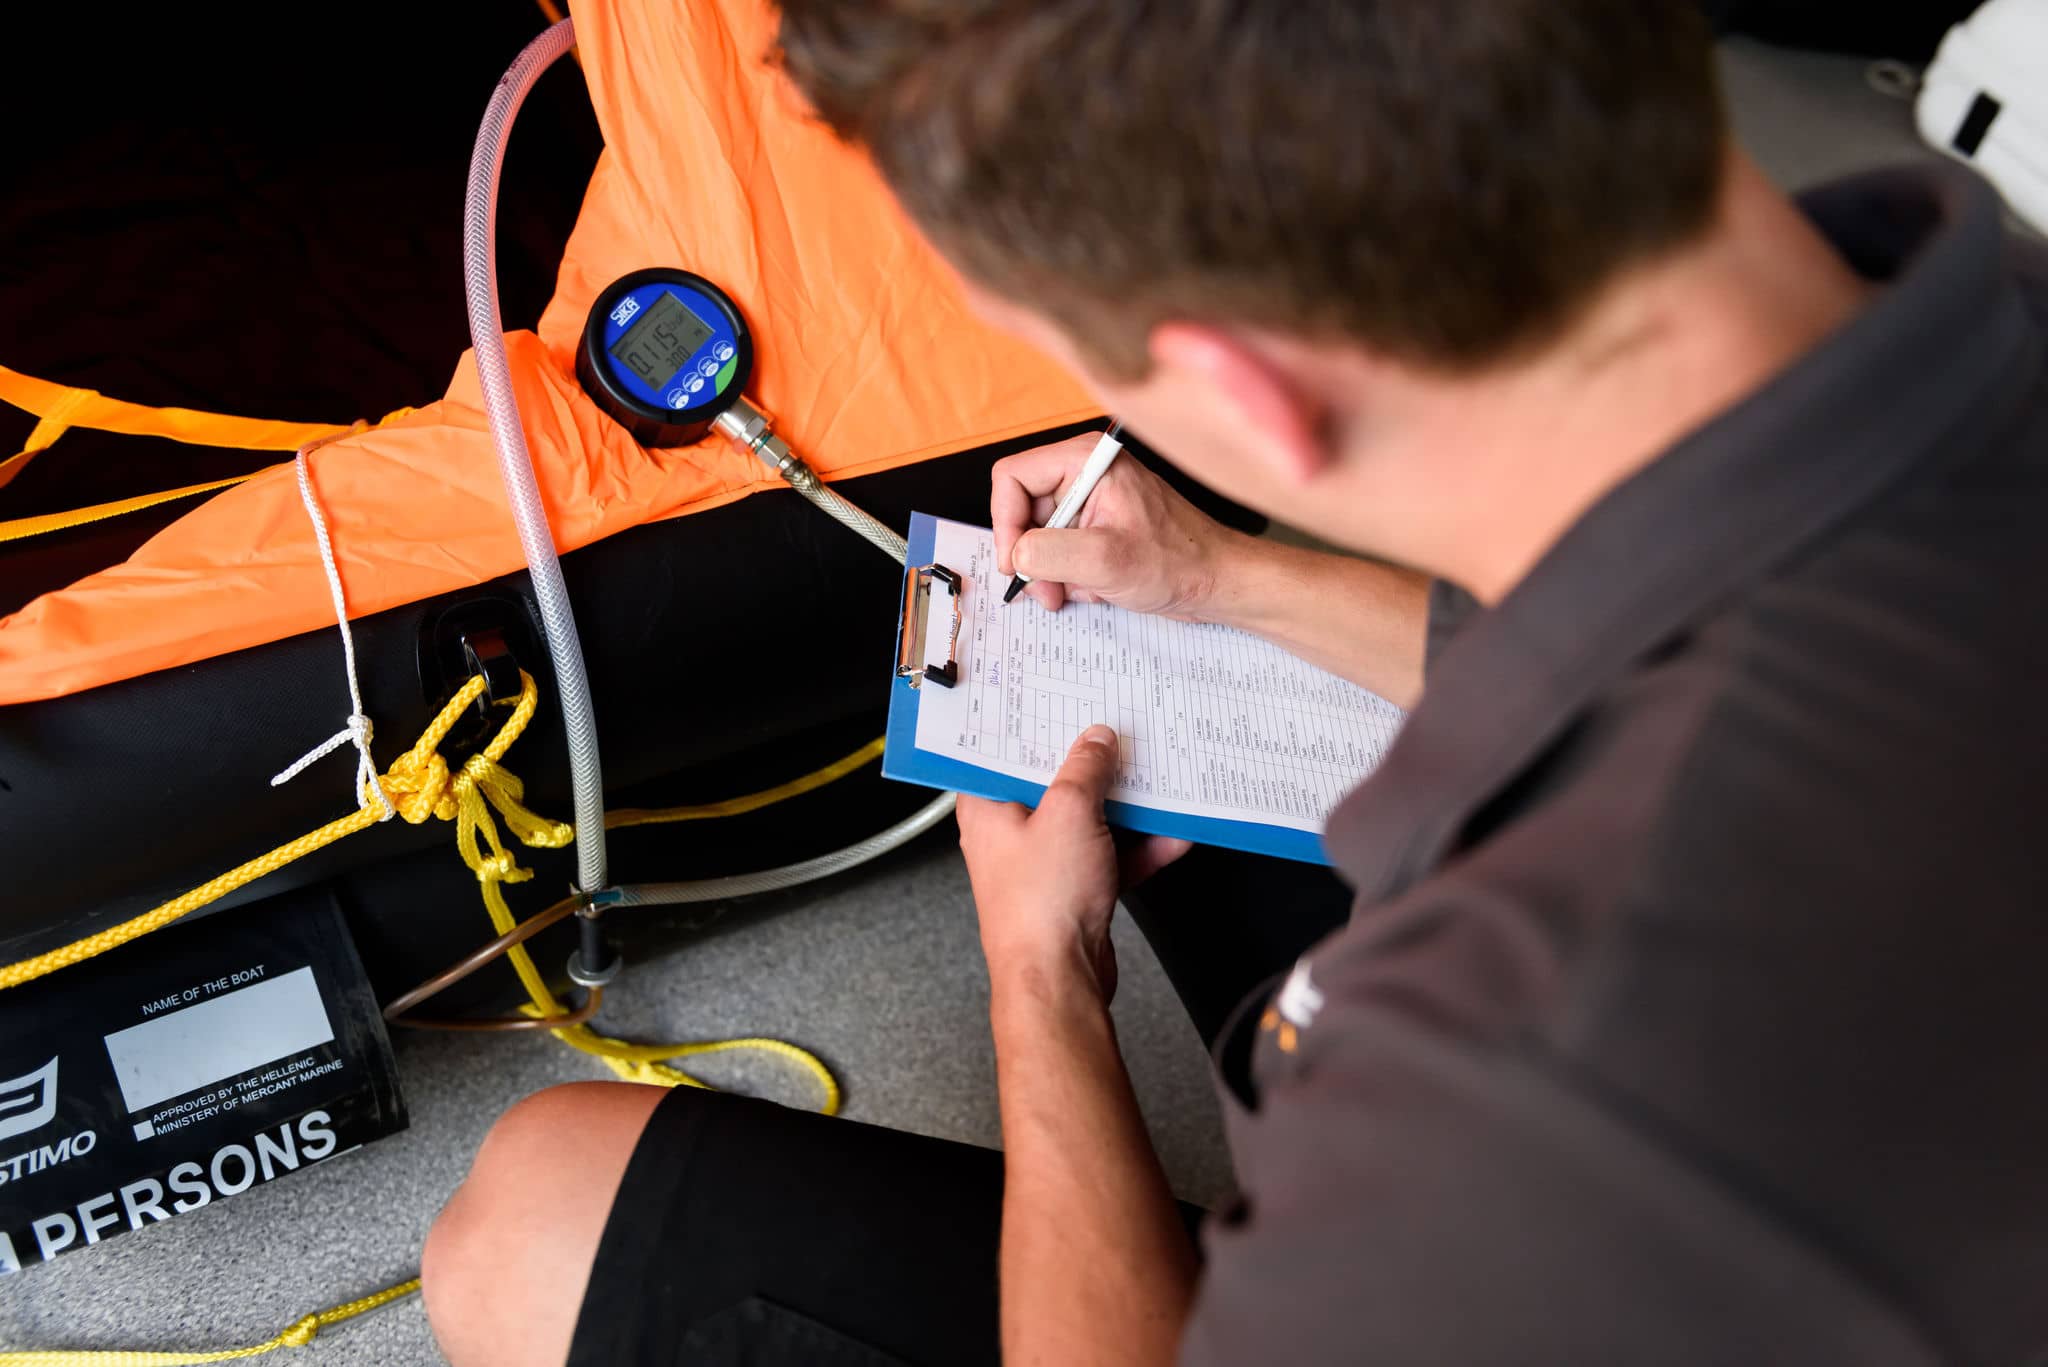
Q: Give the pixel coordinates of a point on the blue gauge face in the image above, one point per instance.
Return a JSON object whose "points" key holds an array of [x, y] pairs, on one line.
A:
{"points": [[670, 347], [664, 353]]}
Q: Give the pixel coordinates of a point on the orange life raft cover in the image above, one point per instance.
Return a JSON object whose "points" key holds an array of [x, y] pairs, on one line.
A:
{"points": [[868, 359]]}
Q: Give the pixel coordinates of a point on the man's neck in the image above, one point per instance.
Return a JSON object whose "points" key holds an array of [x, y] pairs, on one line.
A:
{"points": [[1519, 455]]}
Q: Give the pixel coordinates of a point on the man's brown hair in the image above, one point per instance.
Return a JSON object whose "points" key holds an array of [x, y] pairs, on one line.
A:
{"points": [[1447, 181]]}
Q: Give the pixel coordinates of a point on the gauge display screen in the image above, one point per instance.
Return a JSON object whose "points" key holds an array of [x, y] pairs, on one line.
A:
{"points": [[662, 341]]}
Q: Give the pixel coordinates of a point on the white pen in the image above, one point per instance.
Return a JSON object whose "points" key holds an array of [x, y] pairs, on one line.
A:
{"points": [[1092, 470]]}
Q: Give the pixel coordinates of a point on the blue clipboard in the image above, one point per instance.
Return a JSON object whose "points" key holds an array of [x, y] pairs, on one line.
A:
{"points": [[902, 760]]}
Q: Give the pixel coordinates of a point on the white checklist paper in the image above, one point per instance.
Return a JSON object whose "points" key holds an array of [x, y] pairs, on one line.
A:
{"points": [[1211, 721]]}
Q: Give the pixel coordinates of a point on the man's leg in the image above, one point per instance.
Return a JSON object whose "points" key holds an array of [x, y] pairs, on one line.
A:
{"points": [[506, 1263], [624, 1225], [735, 1217]]}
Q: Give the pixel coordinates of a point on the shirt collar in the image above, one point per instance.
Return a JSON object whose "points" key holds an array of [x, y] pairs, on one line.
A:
{"points": [[1927, 365]]}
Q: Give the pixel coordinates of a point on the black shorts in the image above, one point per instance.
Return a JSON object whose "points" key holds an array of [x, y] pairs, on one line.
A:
{"points": [[748, 1233]]}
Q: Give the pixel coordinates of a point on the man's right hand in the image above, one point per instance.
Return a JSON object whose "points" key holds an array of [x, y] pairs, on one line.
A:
{"points": [[1137, 543], [1142, 546]]}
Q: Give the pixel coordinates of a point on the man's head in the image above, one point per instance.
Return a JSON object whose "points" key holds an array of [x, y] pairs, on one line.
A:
{"points": [[1195, 203]]}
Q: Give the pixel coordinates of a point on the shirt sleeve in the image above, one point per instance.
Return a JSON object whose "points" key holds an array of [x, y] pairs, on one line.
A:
{"points": [[1450, 608], [1408, 1199]]}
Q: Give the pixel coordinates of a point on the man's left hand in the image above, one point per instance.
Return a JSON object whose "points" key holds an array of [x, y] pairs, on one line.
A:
{"points": [[1046, 881]]}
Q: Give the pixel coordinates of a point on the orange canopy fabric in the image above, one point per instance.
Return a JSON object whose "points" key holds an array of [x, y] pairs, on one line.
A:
{"points": [[866, 357]]}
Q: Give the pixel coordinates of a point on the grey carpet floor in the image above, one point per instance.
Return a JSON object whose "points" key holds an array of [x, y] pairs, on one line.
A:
{"points": [[880, 972]]}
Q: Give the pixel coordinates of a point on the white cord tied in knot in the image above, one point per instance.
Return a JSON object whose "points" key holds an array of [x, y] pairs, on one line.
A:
{"points": [[357, 730]]}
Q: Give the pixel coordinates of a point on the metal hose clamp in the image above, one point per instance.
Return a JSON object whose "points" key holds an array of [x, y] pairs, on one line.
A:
{"points": [[583, 977], [592, 947]]}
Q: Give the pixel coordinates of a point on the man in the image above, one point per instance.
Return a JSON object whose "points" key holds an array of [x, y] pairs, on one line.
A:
{"points": [[1691, 1007]]}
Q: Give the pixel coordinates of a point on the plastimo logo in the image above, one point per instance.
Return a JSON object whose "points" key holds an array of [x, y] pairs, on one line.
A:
{"points": [[28, 1102], [29, 1162]]}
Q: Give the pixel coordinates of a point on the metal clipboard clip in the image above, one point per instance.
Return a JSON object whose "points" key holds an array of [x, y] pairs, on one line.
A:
{"points": [[910, 639]]}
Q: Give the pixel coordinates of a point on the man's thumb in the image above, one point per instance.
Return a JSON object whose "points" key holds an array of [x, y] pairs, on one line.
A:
{"points": [[1091, 765]]}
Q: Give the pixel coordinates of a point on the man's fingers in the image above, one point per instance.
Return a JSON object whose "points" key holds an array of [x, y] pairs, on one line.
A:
{"points": [[1010, 508], [1094, 558], [1147, 857], [1084, 779], [1023, 489], [1040, 513], [1042, 469]]}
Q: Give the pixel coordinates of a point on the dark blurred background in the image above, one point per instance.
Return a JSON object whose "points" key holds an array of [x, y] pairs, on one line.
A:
{"points": [[1909, 30], [299, 170], [255, 210]]}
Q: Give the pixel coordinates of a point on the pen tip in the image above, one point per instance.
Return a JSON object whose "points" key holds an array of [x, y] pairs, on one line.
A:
{"points": [[1016, 587]]}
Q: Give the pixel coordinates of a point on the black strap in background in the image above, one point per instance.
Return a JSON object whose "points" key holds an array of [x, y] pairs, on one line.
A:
{"points": [[1976, 123]]}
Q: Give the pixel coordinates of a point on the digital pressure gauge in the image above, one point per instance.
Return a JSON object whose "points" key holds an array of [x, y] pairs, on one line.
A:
{"points": [[665, 352]]}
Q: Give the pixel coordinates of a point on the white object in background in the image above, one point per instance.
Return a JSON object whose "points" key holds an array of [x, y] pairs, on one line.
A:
{"points": [[1985, 101]]}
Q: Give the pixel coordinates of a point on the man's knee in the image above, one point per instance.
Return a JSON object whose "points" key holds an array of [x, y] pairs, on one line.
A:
{"points": [[506, 1263]]}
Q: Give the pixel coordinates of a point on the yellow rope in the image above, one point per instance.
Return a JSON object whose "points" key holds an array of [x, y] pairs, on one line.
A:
{"points": [[483, 786], [421, 787], [737, 806], [407, 784], [298, 1335], [643, 1062]]}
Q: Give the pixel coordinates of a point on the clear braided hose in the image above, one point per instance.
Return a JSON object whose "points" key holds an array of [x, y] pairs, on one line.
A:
{"points": [[515, 463], [536, 537]]}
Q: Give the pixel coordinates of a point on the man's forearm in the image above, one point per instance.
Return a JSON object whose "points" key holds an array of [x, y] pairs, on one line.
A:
{"points": [[1359, 619], [1096, 1264]]}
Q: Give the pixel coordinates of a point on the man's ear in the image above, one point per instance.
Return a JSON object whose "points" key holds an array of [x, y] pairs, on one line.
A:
{"points": [[1287, 421]]}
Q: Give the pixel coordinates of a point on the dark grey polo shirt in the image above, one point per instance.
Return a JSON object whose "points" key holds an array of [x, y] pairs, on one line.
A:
{"points": [[1695, 1007]]}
